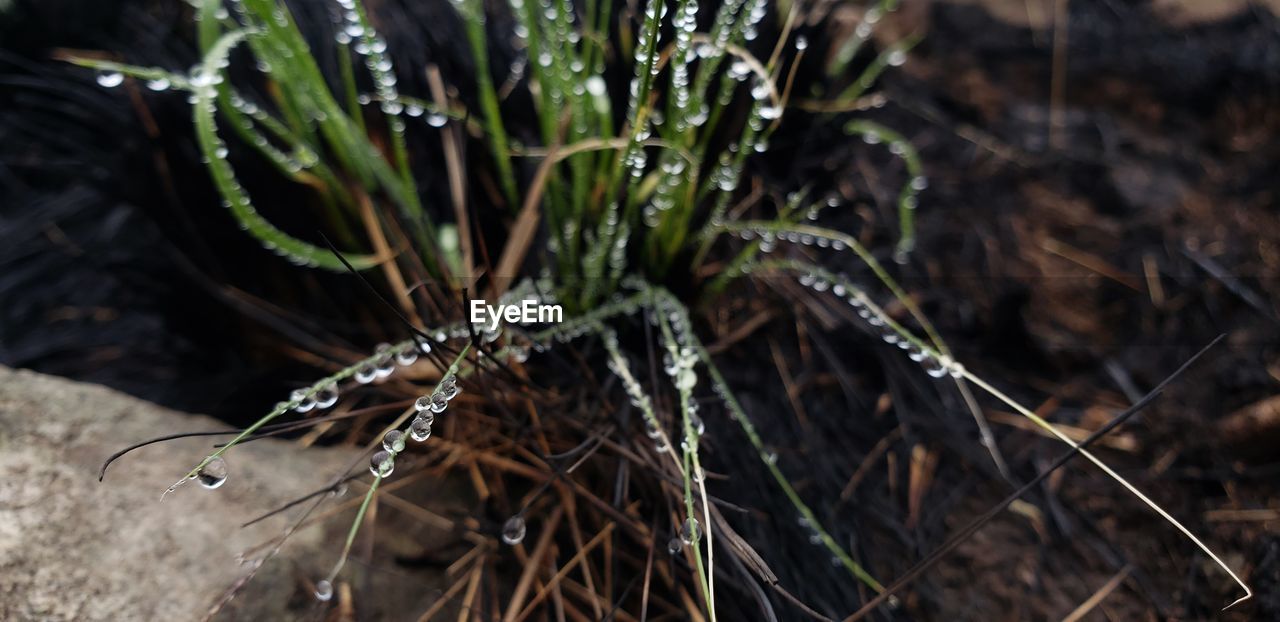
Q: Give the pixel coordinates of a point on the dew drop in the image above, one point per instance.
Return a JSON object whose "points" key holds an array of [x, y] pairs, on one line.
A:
{"points": [[326, 397], [393, 441], [698, 425], [438, 402], [110, 79], [674, 545], [365, 374], [405, 358], [761, 90], [934, 367], [897, 58], [214, 474], [382, 464], [691, 531], [324, 590], [449, 390], [420, 429], [305, 402], [513, 530], [651, 430], [159, 84]]}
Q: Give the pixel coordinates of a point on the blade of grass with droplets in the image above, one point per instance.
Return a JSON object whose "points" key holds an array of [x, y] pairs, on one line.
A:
{"points": [[214, 149], [451, 373], [840, 241], [844, 55], [302, 395], [739, 415], [689, 450], [946, 363], [630, 162], [874, 133]]}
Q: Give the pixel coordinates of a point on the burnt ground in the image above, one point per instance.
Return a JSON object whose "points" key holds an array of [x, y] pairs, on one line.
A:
{"points": [[1086, 265], [1074, 251]]}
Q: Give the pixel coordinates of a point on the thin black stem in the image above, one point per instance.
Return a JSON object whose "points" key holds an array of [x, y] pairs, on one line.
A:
{"points": [[936, 556]]}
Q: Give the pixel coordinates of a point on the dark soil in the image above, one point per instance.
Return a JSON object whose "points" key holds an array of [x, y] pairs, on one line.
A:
{"points": [[1074, 252]]}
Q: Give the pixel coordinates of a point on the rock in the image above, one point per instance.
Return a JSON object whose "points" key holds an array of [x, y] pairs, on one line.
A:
{"points": [[72, 548]]}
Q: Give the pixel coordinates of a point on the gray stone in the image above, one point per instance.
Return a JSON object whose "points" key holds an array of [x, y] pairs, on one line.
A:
{"points": [[72, 548]]}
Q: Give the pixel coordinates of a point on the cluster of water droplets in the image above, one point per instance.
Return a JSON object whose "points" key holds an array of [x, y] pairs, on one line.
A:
{"points": [[935, 364], [685, 23], [303, 157], [383, 463], [315, 399], [769, 238], [639, 399], [814, 535], [690, 533], [675, 172], [387, 359], [679, 365], [647, 69]]}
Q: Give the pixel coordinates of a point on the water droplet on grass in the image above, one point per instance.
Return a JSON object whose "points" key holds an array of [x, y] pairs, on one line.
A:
{"points": [[326, 397], [324, 590], [382, 464], [214, 474], [934, 367], [420, 429], [110, 79], [406, 358], [691, 531], [393, 441], [305, 402]]}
